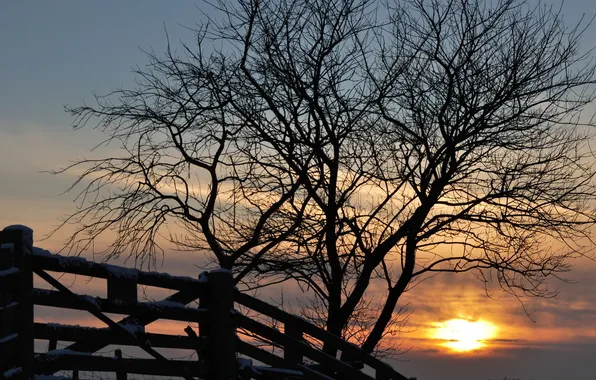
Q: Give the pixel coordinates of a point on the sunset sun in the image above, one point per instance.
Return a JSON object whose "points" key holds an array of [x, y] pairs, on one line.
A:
{"points": [[462, 335]]}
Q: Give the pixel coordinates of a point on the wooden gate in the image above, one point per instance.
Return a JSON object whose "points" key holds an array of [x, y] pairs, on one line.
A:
{"points": [[218, 343]]}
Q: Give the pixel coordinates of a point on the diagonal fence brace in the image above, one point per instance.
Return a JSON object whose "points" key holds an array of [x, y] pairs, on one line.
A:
{"points": [[95, 311]]}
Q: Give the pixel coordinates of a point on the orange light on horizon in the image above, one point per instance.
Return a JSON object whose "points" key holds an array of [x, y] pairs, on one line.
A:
{"points": [[461, 335]]}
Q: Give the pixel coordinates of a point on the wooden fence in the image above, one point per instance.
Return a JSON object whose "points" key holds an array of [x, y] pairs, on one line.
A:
{"points": [[221, 345]]}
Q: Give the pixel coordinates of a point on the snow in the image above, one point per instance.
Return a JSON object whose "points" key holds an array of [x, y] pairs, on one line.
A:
{"points": [[63, 261], [59, 325], [165, 303], [129, 326], [13, 372], [319, 374], [72, 260], [9, 272], [247, 364], [8, 306], [41, 252], [279, 371], [48, 377], [7, 338], [90, 299], [243, 362], [66, 352], [26, 230], [169, 303], [132, 327], [120, 272], [221, 270], [201, 279]]}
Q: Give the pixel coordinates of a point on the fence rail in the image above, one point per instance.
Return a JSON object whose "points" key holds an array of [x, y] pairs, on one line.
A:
{"points": [[217, 342]]}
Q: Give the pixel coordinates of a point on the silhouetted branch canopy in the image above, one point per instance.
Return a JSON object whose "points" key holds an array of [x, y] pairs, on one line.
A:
{"points": [[338, 143]]}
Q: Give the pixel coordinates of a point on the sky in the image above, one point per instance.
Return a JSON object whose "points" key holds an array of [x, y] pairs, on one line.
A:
{"points": [[57, 53]]}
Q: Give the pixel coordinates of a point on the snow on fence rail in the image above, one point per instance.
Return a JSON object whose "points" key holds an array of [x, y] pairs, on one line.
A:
{"points": [[217, 343]]}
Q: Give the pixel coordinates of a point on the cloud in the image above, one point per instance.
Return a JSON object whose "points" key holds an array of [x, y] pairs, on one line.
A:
{"points": [[552, 363]]}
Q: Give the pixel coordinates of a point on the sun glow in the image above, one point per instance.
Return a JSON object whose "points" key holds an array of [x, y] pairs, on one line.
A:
{"points": [[462, 335]]}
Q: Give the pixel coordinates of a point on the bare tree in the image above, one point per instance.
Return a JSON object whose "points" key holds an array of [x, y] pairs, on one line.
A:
{"points": [[342, 142]]}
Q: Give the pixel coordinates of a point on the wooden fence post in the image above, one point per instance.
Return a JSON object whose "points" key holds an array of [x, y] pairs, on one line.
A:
{"points": [[204, 301], [120, 375], [221, 328], [18, 243], [293, 330], [8, 305]]}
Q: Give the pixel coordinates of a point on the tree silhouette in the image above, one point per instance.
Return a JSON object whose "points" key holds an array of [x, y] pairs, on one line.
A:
{"points": [[338, 143]]}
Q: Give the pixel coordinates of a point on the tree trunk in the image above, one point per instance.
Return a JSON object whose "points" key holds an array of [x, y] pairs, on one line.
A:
{"points": [[335, 324], [395, 293]]}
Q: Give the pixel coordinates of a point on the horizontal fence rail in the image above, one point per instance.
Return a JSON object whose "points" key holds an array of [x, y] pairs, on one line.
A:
{"points": [[160, 309], [217, 342], [107, 336], [296, 346], [42, 259]]}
